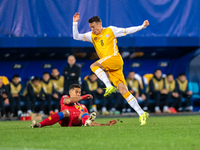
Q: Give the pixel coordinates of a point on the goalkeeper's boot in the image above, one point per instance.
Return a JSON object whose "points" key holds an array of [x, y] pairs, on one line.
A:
{"points": [[143, 118], [91, 118], [109, 90], [35, 124]]}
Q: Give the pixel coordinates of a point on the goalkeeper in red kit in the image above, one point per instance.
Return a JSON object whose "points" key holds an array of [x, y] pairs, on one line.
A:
{"points": [[72, 113]]}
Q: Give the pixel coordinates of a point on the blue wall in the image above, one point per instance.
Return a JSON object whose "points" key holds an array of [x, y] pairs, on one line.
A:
{"points": [[48, 23]]}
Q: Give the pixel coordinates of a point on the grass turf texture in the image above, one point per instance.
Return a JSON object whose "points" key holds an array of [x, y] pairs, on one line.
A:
{"points": [[162, 133]]}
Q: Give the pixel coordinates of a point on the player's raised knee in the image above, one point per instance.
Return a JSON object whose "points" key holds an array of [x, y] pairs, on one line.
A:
{"points": [[66, 113]]}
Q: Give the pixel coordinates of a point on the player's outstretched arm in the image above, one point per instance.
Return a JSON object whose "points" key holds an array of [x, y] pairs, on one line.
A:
{"points": [[76, 17], [69, 100], [76, 34], [110, 123], [118, 32]]}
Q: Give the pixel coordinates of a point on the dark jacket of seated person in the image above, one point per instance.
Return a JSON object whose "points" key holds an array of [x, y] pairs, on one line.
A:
{"points": [[157, 92], [184, 90], [172, 87], [4, 95], [94, 87], [58, 81], [48, 88], [34, 91], [15, 89], [134, 86]]}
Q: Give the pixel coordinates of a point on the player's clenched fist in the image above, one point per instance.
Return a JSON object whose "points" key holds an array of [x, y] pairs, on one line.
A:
{"points": [[145, 23], [76, 17], [87, 96]]}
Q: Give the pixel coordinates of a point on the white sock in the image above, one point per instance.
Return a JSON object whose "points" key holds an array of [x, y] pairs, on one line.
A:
{"points": [[132, 101], [56, 110], [103, 109], [165, 108], [113, 109], [103, 77]]}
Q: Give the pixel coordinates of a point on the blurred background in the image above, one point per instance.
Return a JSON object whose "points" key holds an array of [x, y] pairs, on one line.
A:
{"points": [[36, 36]]}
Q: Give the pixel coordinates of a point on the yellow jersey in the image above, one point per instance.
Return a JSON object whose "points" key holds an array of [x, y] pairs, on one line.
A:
{"points": [[105, 43]]}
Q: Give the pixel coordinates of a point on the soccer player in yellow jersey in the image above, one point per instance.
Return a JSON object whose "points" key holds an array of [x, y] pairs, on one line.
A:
{"points": [[105, 44]]}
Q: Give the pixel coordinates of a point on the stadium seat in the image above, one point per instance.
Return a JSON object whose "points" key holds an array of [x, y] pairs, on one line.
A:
{"points": [[5, 80], [194, 87]]}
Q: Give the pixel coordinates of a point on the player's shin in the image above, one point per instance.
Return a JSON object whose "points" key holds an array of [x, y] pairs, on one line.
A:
{"points": [[52, 119], [101, 75], [84, 117], [132, 101]]}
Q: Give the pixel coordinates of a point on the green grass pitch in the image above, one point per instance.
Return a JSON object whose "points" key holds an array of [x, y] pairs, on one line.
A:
{"points": [[160, 133]]}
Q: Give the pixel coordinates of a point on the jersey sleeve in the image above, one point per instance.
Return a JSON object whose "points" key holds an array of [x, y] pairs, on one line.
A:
{"points": [[62, 98], [82, 37], [118, 32]]}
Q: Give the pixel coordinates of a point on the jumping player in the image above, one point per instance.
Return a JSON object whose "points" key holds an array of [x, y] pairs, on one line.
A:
{"points": [[72, 113], [105, 44]]}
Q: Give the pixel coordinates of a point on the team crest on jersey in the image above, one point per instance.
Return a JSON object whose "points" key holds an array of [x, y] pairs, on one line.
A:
{"points": [[107, 35], [95, 38]]}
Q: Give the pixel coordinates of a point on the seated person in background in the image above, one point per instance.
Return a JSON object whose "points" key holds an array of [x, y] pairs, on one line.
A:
{"points": [[15, 88], [4, 95], [92, 86], [135, 88], [156, 91], [172, 87], [58, 83], [117, 97], [47, 86], [184, 91], [33, 92]]}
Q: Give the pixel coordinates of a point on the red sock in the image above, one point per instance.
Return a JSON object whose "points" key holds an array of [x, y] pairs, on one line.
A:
{"points": [[84, 117], [51, 120]]}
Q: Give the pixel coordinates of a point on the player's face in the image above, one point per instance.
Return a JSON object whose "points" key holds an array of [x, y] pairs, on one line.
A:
{"points": [[93, 77], [15, 80], [75, 92], [170, 78], [182, 78], [46, 77], [55, 73], [131, 75], [96, 27], [158, 74], [71, 60], [36, 82]]}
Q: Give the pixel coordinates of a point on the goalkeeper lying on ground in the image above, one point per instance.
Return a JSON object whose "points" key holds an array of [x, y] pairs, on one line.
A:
{"points": [[72, 113]]}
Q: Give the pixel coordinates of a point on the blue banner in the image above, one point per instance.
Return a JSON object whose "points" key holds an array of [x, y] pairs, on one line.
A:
{"points": [[53, 18]]}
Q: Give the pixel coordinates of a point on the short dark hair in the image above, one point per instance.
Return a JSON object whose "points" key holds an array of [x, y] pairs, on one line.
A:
{"points": [[36, 79], [74, 86], [94, 19], [45, 73], [91, 73], [157, 70], [169, 74], [182, 74], [15, 76], [131, 71]]}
